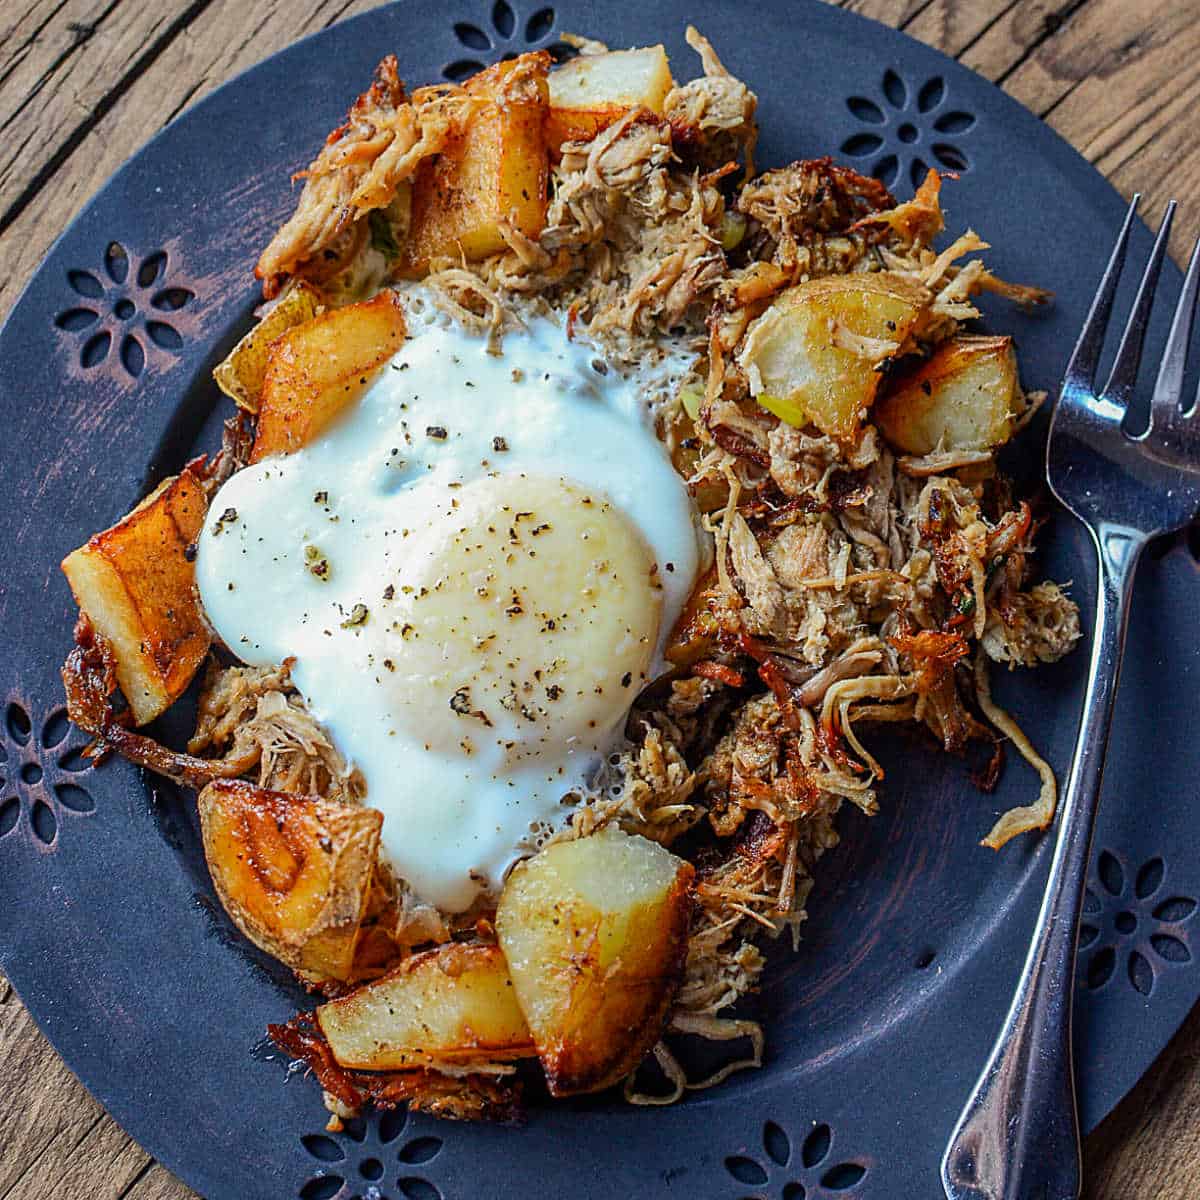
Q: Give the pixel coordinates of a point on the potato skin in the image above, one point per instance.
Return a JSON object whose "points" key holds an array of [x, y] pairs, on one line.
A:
{"points": [[495, 168], [448, 1006], [136, 584], [595, 986], [242, 373], [316, 370], [965, 396], [796, 351], [293, 872], [696, 629], [589, 93]]}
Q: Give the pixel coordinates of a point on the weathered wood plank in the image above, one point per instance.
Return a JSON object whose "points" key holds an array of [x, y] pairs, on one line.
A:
{"points": [[896, 13], [158, 1184], [44, 1105], [81, 58], [218, 43], [1121, 82], [1149, 1149], [953, 27]]}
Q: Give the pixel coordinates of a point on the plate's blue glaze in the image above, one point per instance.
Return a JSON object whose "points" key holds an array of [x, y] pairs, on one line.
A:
{"points": [[878, 1027]]}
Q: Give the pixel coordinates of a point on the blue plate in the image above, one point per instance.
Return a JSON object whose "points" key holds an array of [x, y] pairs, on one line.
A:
{"points": [[877, 1028]]}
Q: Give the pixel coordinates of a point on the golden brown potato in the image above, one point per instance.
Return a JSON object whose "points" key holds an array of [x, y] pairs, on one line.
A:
{"points": [[293, 872], [696, 630], [136, 584], [589, 93], [316, 370], [966, 396], [494, 170], [240, 376], [595, 934], [814, 355], [443, 1007]]}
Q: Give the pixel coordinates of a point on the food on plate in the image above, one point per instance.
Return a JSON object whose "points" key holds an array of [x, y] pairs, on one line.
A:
{"points": [[318, 368], [587, 94], [446, 1007], [815, 356], [294, 872], [964, 397], [135, 584], [595, 934], [488, 182], [241, 375], [590, 496]]}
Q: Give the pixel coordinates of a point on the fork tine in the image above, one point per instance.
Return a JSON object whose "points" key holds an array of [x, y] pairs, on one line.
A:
{"points": [[1168, 387], [1123, 375], [1081, 370]]}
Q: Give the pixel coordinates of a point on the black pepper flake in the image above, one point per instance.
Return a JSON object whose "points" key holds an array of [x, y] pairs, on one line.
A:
{"points": [[320, 497], [389, 592], [553, 691], [317, 563], [358, 616], [627, 679], [437, 432], [189, 552], [226, 518], [499, 445], [460, 703], [927, 387]]}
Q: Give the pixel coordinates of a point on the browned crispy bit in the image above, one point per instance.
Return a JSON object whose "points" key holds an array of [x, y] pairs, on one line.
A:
{"points": [[90, 681], [710, 669], [468, 1098]]}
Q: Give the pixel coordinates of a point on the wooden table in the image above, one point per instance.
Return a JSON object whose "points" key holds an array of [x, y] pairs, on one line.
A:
{"points": [[84, 83]]}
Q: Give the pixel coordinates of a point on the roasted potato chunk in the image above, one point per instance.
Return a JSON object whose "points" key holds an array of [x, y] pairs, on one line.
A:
{"points": [[494, 169], [316, 370], [240, 376], [136, 584], [696, 630], [966, 396], [589, 93], [815, 355], [595, 934], [443, 1007], [293, 872]]}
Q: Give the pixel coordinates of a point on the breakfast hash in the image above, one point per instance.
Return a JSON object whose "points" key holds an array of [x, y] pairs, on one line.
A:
{"points": [[589, 496]]}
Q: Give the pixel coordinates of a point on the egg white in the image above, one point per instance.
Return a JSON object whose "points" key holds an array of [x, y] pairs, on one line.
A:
{"points": [[322, 557]]}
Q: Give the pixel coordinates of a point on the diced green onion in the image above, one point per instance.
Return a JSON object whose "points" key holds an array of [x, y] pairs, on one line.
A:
{"points": [[691, 398], [788, 411], [382, 237], [733, 229]]}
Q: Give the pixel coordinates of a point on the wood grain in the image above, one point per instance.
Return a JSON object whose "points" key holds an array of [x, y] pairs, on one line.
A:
{"points": [[84, 83]]}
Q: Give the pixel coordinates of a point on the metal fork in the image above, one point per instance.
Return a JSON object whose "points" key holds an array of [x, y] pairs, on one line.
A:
{"points": [[1018, 1136]]}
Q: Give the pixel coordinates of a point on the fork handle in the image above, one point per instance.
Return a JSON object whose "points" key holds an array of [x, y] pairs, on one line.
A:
{"points": [[1018, 1135]]}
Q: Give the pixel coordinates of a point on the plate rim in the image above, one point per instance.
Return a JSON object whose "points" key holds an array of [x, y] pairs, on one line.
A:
{"points": [[1051, 146]]}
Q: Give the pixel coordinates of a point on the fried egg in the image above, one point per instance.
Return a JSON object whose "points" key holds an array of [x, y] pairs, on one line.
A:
{"points": [[474, 571]]}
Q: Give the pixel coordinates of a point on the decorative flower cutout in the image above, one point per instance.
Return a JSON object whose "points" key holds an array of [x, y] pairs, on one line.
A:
{"points": [[124, 307], [40, 775], [1140, 927], [509, 33], [814, 1173], [355, 1164], [909, 129]]}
